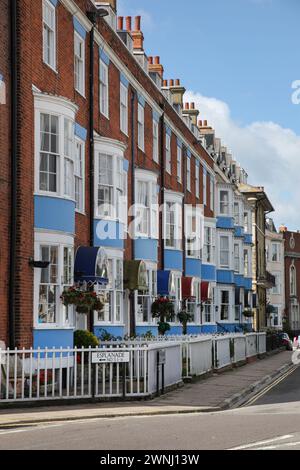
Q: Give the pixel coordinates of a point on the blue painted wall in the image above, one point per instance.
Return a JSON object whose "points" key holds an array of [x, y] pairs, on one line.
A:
{"points": [[209, 328], [248, 238], [53, 213], [111, 232], [208, 272], [114, 330], [53, 338], [225, 276], [193, 267], [239, 280], [174, 260], [239, 231], [248, 283], [141, 330], [146, 249], [225, 222]]}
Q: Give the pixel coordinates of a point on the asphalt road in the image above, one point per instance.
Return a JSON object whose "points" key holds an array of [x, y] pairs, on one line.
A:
{"points": [[272, 423]]}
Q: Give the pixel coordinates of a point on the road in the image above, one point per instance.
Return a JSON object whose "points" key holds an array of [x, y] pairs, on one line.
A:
{"points": [[271, 422]]}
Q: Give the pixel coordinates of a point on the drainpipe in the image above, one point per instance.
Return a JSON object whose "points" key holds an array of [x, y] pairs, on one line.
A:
{"points": [[14, 164], [183, 215], [132, 319], [162, 184]]}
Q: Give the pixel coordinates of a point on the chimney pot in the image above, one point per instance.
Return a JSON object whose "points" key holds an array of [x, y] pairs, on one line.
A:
{"points": [[128, 23], [121, 23], [157, 60], [177, 82], [150, 60], [171, 82], [192, 105], [187, 106], [165, 83], [205, 123], [200, 123], [137, 23]]}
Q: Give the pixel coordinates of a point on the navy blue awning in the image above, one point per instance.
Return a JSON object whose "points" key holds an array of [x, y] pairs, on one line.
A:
{"points": [[165, 283], [91, 265]]}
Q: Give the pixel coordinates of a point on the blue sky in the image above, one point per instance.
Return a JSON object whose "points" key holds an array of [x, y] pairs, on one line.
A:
{"points": [[238, 59]]}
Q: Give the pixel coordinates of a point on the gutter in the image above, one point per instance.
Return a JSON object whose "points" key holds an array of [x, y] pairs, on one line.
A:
{"points": [[14, 165]]}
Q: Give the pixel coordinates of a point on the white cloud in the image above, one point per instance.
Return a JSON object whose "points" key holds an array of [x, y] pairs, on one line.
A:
{"points": [[147, 23], [269, 153]]}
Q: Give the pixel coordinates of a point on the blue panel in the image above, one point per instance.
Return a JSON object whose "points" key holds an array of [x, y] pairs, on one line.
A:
{"points": [[239, 280], [248, 283], [163, 278], [142, 330], [54, 2], [104, 57], [116, 331], [80, 132], [248, 238], [155, 116], [146, 249], [168, 130], [194, 329], [109, 234], [239, 231], [174, 260], [141, 100], [225, 222], [229, 327], [179, 142], [193, 267], [53, 339], [225, 276], [79, 28], [188, 153], [124, 80], [209, 328], [175, 330], [125, 165], [197, 162], [53, 213], [208, 272]]}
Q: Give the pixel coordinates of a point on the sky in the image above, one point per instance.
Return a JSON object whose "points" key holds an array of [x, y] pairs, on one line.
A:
{"points": [[238, 60]]}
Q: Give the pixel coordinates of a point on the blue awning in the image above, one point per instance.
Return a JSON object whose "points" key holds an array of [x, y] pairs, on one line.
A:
{"points": [[165, 283], [91, 265]]}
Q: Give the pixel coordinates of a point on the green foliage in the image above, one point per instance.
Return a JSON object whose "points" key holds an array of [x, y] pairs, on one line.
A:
{"points": [[106, 336], [85, 339], [162, 308], [148, 335], [184, 317], [163, 327], [248, 313], [85, 301]]}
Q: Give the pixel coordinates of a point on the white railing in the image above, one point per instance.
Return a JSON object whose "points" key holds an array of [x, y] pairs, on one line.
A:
{"points": [[261, 343], [53, 374], [251, 344], [222, 351], [239, 348]]}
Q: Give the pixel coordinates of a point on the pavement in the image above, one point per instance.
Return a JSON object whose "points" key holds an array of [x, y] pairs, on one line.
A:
{"points": [[215, 393]]}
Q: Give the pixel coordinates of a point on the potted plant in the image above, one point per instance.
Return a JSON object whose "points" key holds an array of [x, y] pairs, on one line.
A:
{"points": [[163, 309], [184, 317], [248, 313]]}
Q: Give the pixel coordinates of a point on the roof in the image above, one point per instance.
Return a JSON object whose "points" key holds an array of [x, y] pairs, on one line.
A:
{"points": [[259, 193]]}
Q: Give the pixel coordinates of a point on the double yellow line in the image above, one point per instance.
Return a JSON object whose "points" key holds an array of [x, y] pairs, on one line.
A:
{"points": [[269, 387]]}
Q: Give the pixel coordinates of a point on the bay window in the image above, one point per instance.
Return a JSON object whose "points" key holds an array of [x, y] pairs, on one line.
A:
{"points": [[276, 252], [193, 232], [50, 281], [236, 258], [173, 225], [194, 305], [79, 63], [176, 296], [224, 252], [68, 158], [144, 299], [141, 127], [246, 222], [236, 213], [147, 213], [225, 305], [104, 88], [208, 307], [49, 153], [49, 34], [112, 295], [209, 245], [224, 203]]}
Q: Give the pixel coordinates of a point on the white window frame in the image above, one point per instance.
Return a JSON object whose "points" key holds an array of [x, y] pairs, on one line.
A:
{"points": [[113, 292], [60, 242], [147, 297], [212, 193], [222, 265], [168, 154], [237, 257], [79, 61], [204, 186], [247, 266], [229, 304], [79, 174], [104, 89], [188, 174], [52, 30], [209, 245], [275, 252], [193, 232], [63, 110], [155, 141], [197, 180], [224, 206], [124, 108], [276, 290], [141, 127], [151, 212], [175, 201], [179, 163], [293, 280], [236, 213], [176, 298]]}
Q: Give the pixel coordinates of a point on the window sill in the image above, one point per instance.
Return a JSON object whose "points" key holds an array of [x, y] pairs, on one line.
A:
{"points": [[53, 195], [104, 115], [50, 326], [80, 212], [82, 94], [50, 67]]}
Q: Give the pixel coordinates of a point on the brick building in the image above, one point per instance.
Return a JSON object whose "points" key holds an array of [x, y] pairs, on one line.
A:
{"points": [[292, 278], [99, 129]]}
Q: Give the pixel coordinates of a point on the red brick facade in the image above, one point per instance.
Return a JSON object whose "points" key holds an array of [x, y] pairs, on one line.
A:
{"points": [[292, 294]]}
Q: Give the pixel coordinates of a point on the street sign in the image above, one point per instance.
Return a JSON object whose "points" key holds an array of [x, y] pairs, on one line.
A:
{"points": [[162, 356], [106, 357]]}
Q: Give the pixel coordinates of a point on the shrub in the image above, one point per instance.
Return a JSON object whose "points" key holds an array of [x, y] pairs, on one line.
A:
{"points": [[85, 339]]}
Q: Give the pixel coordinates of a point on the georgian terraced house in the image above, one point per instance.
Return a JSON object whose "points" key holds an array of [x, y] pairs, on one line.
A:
{"points": [[95, 129]]}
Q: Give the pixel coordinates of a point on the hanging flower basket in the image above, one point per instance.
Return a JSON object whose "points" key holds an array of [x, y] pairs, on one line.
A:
{"points": [[248, 313], [84, 301], [162, 307]]}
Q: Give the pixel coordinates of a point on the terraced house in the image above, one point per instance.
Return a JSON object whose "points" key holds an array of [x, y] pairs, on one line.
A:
{"points": [[116, 185]]}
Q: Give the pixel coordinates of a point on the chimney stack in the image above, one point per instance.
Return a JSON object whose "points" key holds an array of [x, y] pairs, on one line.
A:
{"points": [[156, 67], [120, 23], [128, 24], [177, 92], [137, 35], [190, 110], [282, 228]]}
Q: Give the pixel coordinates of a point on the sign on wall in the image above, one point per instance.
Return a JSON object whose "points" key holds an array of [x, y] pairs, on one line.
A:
{"points": [[107, 357]]}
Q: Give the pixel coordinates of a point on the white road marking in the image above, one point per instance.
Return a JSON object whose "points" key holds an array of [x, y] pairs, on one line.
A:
{"points": [[268, 441], [28, 429]]}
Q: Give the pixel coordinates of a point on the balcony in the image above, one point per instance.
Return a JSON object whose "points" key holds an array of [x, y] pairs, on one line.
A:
{"points": [[267, 282]]}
